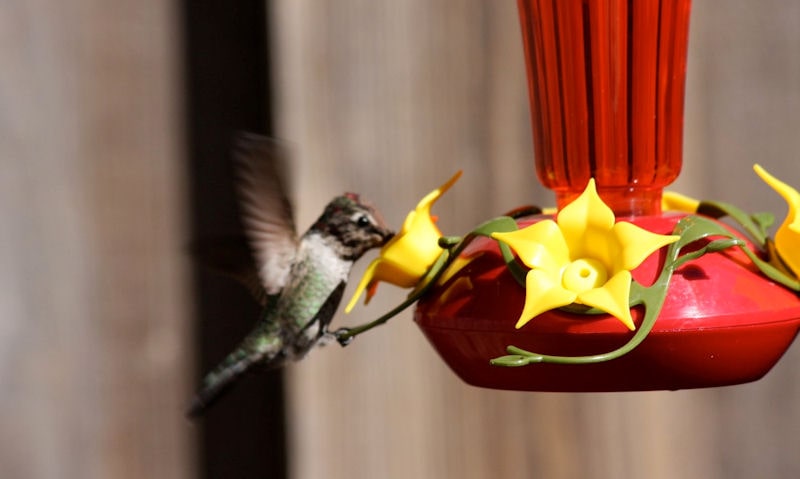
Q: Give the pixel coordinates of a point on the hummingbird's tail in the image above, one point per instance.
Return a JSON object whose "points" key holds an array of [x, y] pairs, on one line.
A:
{"points": [[234, 365], [217, 381]]}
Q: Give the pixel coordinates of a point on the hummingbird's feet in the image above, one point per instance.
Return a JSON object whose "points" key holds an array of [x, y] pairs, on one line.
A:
{"points": [[344, 336], [326, 339]]}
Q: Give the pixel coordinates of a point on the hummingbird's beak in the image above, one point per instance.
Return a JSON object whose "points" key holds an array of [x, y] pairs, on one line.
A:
{"points": [[387, 236]]}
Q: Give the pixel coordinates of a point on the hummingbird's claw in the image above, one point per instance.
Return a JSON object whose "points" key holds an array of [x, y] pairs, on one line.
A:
{"points": [[343, 336]]}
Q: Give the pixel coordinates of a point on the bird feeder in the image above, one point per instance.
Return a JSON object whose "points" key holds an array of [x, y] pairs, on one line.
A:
{"points": [[611, 292]]}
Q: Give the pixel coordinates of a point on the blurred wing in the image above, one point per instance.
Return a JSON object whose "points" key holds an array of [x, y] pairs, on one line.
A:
{"points": [[266, 211], [231, 256]]}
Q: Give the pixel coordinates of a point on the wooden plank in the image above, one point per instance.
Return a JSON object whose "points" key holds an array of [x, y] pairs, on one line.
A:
{"points": [[94, 338]]}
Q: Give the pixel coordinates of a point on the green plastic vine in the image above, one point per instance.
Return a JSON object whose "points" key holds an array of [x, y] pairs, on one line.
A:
{"points": [[690, 229], [452, 246]]}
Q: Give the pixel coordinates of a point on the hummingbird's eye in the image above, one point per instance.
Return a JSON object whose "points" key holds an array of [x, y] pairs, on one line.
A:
{"points": [[363, 221]]}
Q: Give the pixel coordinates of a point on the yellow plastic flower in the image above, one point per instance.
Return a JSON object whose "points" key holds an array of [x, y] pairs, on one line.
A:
{"points": [[583, 257], [787, 239], [671, 201], [405, 259]]}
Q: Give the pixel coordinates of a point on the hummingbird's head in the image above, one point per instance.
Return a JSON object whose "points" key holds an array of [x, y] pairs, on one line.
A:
{"points": [[353, 225]]}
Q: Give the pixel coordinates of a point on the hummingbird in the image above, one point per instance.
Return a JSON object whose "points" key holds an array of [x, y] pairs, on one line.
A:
{"points": [[299, 281]]}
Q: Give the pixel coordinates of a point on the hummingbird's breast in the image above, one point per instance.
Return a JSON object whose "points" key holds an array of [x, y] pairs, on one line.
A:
{"points": [[316, 275]]}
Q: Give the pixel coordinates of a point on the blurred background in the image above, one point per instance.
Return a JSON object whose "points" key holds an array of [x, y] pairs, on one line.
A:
{"points": [[115, 123]]}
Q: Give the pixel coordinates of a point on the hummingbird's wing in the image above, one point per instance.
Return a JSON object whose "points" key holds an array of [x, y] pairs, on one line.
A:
{"points": [[266, 212], [231, 256]]}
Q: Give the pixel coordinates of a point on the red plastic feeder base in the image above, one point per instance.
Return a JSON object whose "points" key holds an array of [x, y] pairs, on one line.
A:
{"points": [[722, 323]]}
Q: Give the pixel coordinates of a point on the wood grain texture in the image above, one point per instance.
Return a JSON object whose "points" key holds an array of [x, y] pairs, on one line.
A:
{"points": [[93, 312], [389, 98]]}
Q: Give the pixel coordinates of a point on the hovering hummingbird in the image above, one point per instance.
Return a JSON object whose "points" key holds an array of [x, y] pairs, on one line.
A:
{"points": [[298, 281]]}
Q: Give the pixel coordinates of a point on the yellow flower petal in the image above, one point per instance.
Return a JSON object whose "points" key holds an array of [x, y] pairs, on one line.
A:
{"points": [[410, 253], [543, 293], [405, 259], [787, 238], [540, 245], [549, 210], [585, 224], [369, 274], [613, 298], [424, 205], [671, 201], [632, 245]]}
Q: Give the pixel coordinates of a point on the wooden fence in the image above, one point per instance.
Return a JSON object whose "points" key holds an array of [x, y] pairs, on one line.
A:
{"points": [[382, 97]]}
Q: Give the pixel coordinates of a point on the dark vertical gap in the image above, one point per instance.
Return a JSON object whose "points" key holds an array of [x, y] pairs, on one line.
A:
{"points": [[539, 107], [630, 88], [560, 84], [590, 109], [226, 74], [658, 93]]}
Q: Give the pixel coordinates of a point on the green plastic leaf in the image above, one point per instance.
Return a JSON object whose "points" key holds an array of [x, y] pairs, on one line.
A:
{"points": [[764, 220], [514, 360], [754, 225]]}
